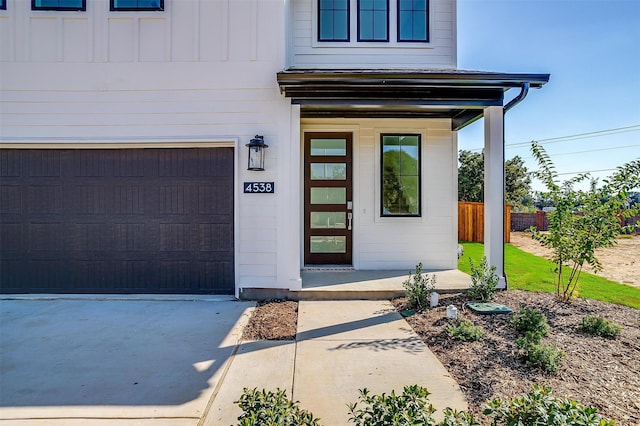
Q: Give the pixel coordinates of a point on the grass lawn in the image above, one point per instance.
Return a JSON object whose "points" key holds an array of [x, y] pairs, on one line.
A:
{"points": [[528, 272]]}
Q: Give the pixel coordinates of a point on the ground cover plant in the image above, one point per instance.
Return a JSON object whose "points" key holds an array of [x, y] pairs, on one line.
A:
{"points": [[411, 407], [597, 326], [533, 273], [265, 408], [464, 330], [539, 407]]}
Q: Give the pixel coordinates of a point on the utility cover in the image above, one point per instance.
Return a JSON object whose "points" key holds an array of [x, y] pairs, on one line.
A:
{"points": [[488, 308]]}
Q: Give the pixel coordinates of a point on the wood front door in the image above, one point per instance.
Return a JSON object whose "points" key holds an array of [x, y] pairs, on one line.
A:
{"points": [[328, 218]]}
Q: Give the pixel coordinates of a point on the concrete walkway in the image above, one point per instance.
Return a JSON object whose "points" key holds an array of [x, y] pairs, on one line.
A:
{"points": [[341, 346], [134, 361]]}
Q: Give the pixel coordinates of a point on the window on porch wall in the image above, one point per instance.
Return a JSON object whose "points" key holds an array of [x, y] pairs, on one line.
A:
{"points": [[400, 186]]}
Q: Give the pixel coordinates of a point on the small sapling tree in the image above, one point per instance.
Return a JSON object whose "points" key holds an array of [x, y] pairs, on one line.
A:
{"points": [[583, 220]]}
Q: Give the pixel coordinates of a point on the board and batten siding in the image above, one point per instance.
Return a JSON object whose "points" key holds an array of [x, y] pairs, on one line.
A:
{"points": [[439, 53], [401, 242], [200, 72]]}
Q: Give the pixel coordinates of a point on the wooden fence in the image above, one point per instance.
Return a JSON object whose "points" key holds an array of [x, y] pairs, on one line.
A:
{"points": [[471, 222]]}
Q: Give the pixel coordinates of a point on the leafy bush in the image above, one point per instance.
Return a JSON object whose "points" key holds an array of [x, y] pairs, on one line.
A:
{"points": [[271, 408], [457, 418], [546, 357], [483, 281], [419, 288], [532, 323], [600, 327], [464, 330], [412, 407], [540, 408]]}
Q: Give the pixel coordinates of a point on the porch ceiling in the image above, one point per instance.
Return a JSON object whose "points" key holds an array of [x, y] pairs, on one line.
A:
{"points": [[456, 94]]}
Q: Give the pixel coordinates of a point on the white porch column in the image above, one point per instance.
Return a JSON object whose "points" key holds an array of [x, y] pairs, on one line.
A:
{"points": [[494, 189]]}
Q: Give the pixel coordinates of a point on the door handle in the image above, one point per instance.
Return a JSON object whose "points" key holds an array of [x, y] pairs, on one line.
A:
{"points": [[349, 217]]}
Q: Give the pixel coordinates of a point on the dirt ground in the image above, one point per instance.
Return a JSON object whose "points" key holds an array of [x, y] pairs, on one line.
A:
{"points": [[598, 372], [620, 263]]}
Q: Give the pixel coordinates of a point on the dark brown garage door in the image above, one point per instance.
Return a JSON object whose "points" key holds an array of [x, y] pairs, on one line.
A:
{"points": [[117, 221]]}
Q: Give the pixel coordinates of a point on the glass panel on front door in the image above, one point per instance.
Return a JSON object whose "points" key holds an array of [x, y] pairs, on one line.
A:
{"points": [[327, 198]]}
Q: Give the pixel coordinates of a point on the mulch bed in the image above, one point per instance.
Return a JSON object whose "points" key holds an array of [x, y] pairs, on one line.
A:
{"points": [[273, 320], [599, 372]]}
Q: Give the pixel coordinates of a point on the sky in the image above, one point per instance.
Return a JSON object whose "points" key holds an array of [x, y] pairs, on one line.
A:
{"points": [[591, 48]]}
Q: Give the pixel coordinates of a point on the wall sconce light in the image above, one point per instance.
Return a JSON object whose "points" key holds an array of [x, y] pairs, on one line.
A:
{"points": [[256, 153]]}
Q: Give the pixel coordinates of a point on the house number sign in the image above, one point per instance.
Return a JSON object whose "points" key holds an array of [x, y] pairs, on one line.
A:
{"points": [[259, 187]]}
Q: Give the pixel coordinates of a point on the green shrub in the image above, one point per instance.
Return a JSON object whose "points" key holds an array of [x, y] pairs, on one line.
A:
{"points": [[271, 408], [545, 357], [600, 327], [419, 288], [483, 281], [457, 418], [532, 323], [412, 407], [540, 408], [464, 330]]}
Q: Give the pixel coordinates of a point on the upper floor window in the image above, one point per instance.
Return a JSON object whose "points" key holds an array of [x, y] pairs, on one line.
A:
{"points": [[373, 20], [333, 20], [57, 4], [413, 20], [3, 4], [377, 21], [137, 5]]}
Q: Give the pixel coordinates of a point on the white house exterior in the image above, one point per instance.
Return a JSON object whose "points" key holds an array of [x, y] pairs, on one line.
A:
{"points": [[123, 163]]}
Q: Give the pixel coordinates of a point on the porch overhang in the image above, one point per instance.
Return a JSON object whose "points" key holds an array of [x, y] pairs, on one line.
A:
{"points": [[459, 95]]}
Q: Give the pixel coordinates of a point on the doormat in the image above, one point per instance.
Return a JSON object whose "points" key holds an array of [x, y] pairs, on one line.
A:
{"points": [[488, 308]]}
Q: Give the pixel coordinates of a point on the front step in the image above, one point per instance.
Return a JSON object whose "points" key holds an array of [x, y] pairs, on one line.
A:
{"points": [[356, 285]]}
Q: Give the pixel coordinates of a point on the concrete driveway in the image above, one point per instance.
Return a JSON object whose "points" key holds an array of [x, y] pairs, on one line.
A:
{"points": [[137, 361]]}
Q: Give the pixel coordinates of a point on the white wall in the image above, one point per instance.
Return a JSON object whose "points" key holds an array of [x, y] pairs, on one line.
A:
{"points": [[402, 242], [202, 70], [307, 52]]}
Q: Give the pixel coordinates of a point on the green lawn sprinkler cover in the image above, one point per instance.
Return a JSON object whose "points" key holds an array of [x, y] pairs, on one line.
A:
{"points": [[488, 308]]}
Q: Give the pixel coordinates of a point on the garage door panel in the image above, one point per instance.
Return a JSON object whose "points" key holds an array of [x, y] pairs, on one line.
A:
{"points": [[117, 221]]}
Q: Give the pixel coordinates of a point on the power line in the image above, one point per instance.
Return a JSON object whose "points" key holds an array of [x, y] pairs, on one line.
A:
{"points": [[594, 134], [587, 151]]}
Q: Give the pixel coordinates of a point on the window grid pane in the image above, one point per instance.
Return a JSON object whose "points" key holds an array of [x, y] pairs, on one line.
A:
{"points": [[328, 244], [137, 5], [3, 4], [334, 20], [413, 20], [373, 20], [57, 4], [400, 175]]}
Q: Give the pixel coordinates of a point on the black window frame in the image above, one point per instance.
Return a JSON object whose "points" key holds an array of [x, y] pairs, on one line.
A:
{"points": [[427, 26], [114, 8], [373, 40], [382, 175], [319, 25], [82, 8], [3, 4]]}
